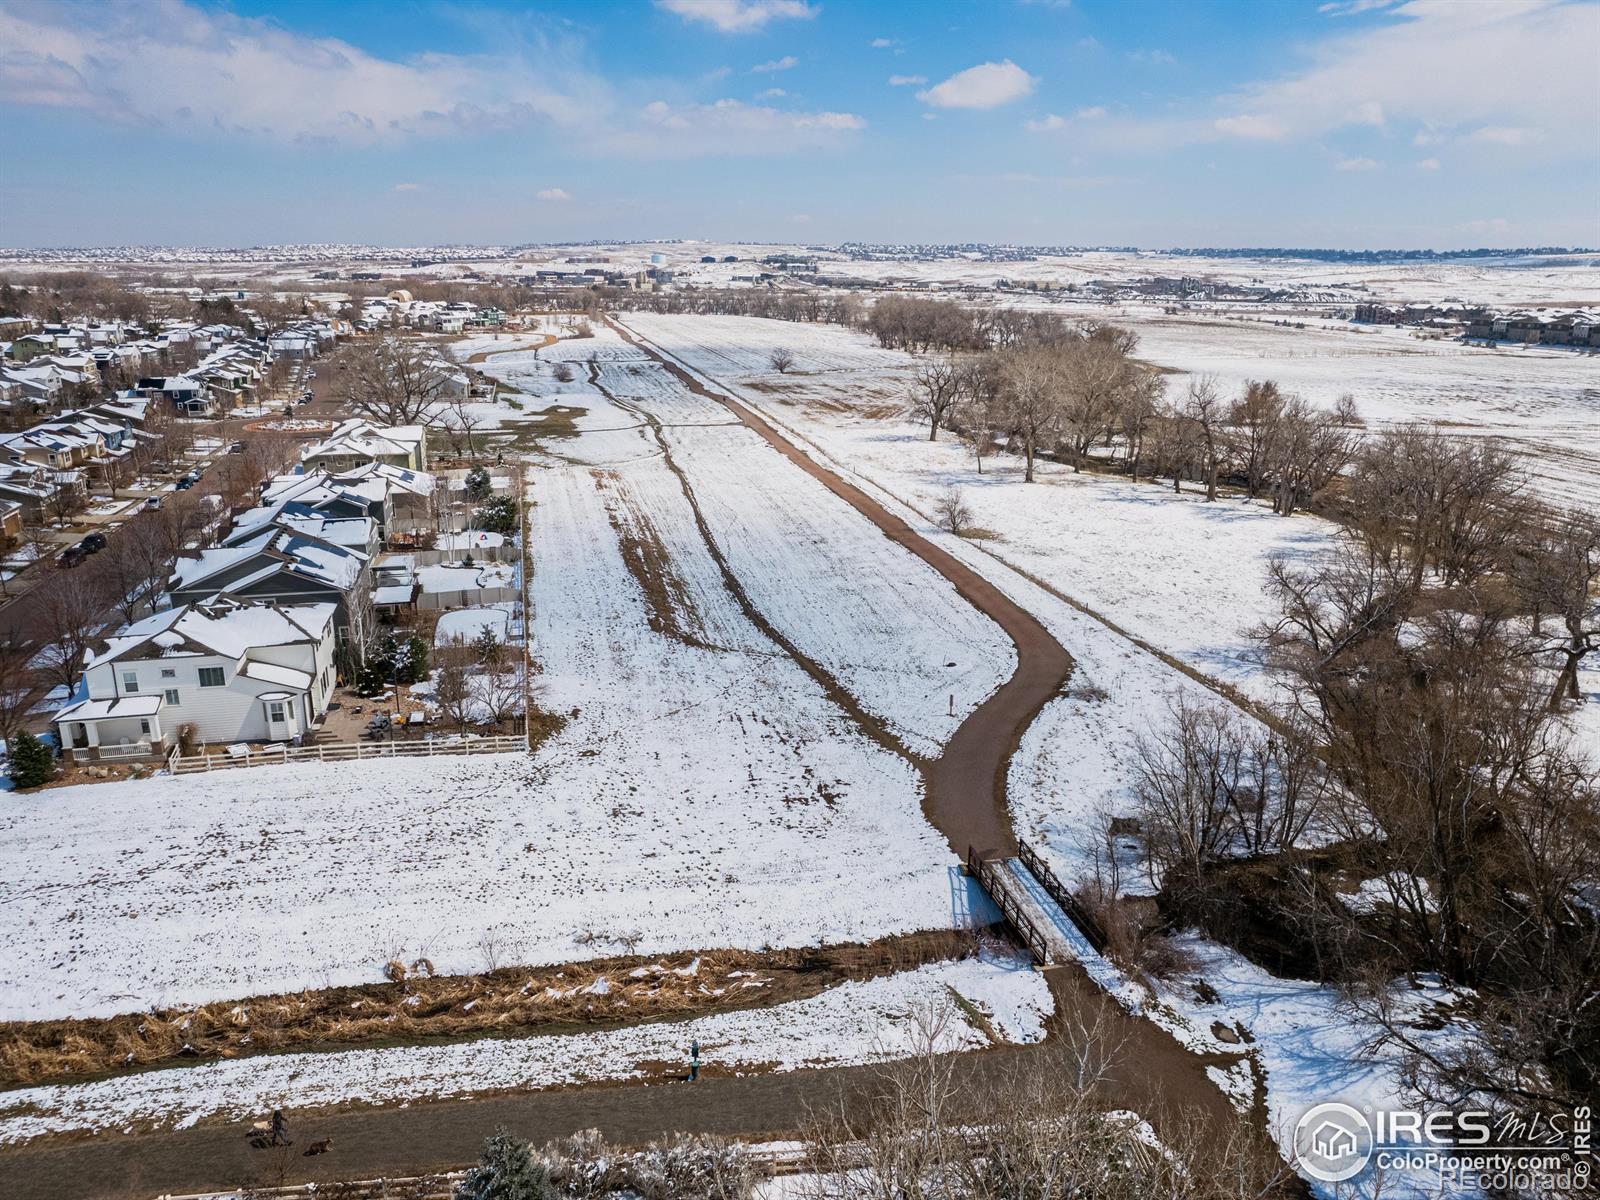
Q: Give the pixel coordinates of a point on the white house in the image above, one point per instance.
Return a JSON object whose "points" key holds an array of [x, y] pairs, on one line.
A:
{"points": [[236, 670]]}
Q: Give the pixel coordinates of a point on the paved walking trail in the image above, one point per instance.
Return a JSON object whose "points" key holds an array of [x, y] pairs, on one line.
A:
{"points": [[966, 784], [965, 801]]}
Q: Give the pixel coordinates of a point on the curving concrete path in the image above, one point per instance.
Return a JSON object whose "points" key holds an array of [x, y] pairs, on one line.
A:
{"points": [[966, 785]]}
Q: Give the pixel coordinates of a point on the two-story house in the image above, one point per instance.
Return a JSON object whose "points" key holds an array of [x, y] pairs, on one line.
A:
{"points": [[357, 442], [236, 670], [287, 566]]}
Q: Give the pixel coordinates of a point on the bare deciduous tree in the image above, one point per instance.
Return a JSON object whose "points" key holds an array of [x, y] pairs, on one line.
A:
{"points": [[952, 512], [67, 608], [393, 381], [935, 392], [1029, 406], [1203, 408], [781, 359]]}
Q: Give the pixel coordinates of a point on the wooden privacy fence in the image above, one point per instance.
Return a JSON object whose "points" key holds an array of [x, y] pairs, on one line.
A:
{"points": [[990, 873], [274, 756], [1070, 904]]}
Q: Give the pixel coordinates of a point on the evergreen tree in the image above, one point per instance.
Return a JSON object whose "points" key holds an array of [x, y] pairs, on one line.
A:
{"points": [[477, 485], [497, 516], [416, 659], [31, 761], [506, 1171]]}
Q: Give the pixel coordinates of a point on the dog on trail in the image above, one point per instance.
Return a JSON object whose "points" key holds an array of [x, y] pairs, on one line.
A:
{"points": [[321, 1147]]}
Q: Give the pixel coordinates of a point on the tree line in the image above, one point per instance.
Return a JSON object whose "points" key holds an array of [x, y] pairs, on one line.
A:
{"points": [[1430, 664]]}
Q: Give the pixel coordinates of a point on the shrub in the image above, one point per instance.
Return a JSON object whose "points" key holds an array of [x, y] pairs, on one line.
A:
{"points": [[952, 512], [477, 485], [32, 763], [506, 1171]]}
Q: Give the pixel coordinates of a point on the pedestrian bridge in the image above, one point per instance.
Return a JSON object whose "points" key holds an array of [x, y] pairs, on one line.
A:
{"points": [[1051, 922]]}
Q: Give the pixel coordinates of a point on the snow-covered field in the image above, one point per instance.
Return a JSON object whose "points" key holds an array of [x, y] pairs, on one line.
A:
{"points": [[876, 618], [1180, 573], [705, 791], [861, 1022], [1543, 402]]}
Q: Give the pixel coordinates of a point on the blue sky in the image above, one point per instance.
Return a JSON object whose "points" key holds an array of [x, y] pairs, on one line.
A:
{"points": [[1236, 122]]}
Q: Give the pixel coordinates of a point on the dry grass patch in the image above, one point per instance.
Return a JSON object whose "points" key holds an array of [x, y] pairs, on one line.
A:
{"points": [[416, 1006]]}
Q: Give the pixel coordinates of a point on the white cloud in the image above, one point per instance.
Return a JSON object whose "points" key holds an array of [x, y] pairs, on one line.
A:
{"points": [[987, 85], [1427, 164], [1356, 164], [738, 16], [1505, 135], [1158, 57], [407, 187], [1255, 126], [785, 63], [771, 94], [907, 80], [882, 43], [729, 127], [553, 194], [207, 73], [1093, 113], [1046, 125], [1349, 8], [199, 71], [1440, 65]]}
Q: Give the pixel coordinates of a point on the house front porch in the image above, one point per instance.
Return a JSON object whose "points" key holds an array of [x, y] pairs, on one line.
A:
{"points": [[112, 730]]}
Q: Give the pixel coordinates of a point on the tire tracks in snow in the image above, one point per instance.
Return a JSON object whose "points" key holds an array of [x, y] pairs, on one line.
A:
{"points": [[871, 725]]}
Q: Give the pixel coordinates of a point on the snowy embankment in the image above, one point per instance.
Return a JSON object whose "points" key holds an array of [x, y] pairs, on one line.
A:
{"points": [[870, 1021]]}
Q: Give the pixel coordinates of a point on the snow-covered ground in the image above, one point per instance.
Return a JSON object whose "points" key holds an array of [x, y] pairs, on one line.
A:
{"points": [[876, 618], [859, 1022], [1182, 574], [705, 790], [1311, 1047], [1174, 571], [1543, 402]]}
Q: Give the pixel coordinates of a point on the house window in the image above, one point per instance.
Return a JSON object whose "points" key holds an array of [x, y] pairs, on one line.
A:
{"points": [[275, 711], [171, 695], [168, 673], [212, 677], [144, 727], [130, 681]]}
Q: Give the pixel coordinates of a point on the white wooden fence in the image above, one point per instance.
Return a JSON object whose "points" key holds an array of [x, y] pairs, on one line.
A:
{"points": [[274, 756]]}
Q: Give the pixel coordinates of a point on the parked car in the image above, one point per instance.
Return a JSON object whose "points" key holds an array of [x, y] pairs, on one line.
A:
{"points": [[307, 397], [153, 502], [71, 556], [184, 484], [195, 476], [93, 544], [236, 448]]}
